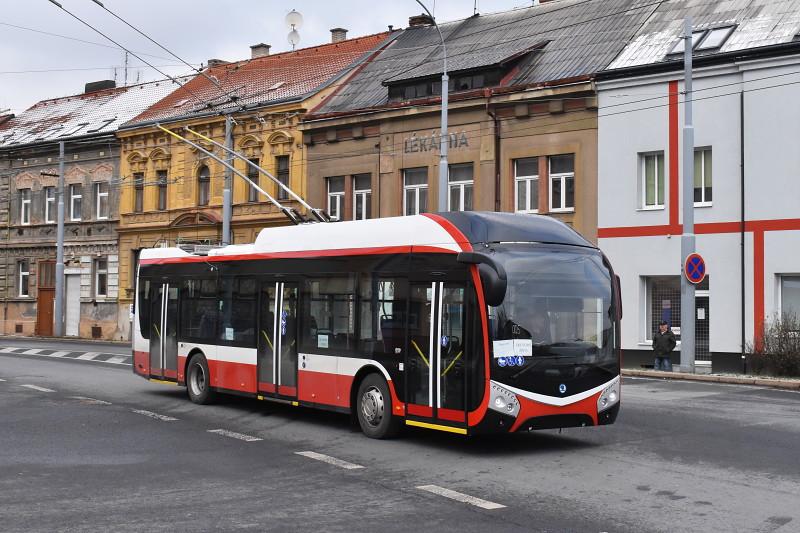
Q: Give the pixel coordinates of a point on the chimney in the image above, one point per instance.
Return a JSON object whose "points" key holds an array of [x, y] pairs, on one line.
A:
{"points": [[259, 50], [99, 86], [215, 63], [338, 35], [420, 20]]}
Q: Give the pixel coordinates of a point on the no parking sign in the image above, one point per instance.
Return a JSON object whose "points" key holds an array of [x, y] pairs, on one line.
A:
{"points": [[694, 268]]}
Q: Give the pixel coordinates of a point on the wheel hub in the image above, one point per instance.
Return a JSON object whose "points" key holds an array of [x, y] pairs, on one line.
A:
{"points": [[372, 406], [198, 380]]}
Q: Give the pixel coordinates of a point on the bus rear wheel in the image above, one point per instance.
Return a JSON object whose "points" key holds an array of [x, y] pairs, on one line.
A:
{"points": [[198, 381], [374, 409]]}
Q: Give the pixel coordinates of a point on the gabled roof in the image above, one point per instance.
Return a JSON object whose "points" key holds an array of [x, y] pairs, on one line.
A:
{"points": [[755, 23], [566, 39], [288, 76], [99, 112]]}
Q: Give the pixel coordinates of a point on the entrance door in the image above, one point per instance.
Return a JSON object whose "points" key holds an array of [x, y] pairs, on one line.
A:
{"points": [[164, 330], [702, 330], [72, 319], [277, 340], [44, 299], [435, 356]]}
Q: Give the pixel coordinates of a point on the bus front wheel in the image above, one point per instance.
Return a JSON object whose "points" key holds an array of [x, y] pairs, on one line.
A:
{"points": [[198, 382], [374, 408]]}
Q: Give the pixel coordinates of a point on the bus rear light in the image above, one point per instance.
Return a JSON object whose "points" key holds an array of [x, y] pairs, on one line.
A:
{"points": [[504, 401]]}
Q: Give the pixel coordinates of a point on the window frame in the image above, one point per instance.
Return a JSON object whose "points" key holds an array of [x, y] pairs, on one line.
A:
{"points": [[98, 194], [703, 202], [781, 278], [72, 198], [361, 195], [49, 205], [161, 181], [283, 175], [26, 275], [203, 186], [562, 177], [415, 188], [643, 181], [335, 197], [461, 185], [254, 175], [98, 272], [528, 188], [138, 192], [25, 207]]}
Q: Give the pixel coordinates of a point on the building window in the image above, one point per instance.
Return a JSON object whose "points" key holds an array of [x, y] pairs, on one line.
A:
{"points": [[75, 200], [49, 204], [790, 296], [526, 178], [101, 278], [101, 200], [252, 175], [161, 178], [415, 190], [362, 196], [25, 206], [203, 186], [461, 183], [702, 177], [23, 274], [138, 192], [282, 164], [562, 182], [335, 197], [652, 180]]}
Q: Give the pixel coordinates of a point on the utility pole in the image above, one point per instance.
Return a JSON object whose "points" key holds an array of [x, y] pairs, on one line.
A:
{"points": [[688, 238], [226, 191], [58, 328]]}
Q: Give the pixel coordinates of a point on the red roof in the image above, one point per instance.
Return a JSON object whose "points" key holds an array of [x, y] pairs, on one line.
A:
{"points": [[262, 81]]}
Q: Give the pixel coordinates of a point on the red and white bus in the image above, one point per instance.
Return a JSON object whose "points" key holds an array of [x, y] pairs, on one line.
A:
{"points": [[464, 322]]}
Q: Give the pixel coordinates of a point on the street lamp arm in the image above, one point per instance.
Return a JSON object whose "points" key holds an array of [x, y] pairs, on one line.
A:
{"points": [[444, 48]]}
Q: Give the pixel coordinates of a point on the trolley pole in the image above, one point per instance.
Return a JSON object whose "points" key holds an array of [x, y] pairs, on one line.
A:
{"points": [[226, 191], [58, 318], [688, 237]]}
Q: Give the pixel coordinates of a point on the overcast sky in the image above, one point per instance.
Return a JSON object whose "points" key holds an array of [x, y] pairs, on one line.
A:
{"points": [[195, 30]]}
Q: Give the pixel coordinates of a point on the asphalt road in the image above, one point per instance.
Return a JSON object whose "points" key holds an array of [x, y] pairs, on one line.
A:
{"points": [[91, 447]]}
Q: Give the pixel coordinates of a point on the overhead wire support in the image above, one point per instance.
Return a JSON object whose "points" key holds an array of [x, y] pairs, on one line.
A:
{"points": [[170, 52], [291, 214], [319, 214], [134, 54]]}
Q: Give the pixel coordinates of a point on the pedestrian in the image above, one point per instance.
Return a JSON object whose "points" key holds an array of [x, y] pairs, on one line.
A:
{"points": [[663, 344]]}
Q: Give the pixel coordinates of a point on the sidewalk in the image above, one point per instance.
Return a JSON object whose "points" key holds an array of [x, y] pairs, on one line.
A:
{"points": [[734, 379]]}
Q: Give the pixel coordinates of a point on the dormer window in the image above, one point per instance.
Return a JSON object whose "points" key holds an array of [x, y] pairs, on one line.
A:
{"points": [[704, 40], [433, 86], [679, 47]]}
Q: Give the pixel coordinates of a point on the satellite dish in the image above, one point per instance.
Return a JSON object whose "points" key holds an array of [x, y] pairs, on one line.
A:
{"points": [[293, 38], [294, 20]]}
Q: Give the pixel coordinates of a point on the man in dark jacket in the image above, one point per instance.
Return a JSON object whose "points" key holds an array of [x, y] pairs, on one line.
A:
{"points": [[663, 344]]}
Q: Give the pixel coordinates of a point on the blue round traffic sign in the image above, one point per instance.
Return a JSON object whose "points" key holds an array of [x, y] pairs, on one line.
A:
{"points": [[694, 268]]}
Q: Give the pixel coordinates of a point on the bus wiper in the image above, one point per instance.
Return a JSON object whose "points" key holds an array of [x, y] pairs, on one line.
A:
{"points": [[538, 359]]}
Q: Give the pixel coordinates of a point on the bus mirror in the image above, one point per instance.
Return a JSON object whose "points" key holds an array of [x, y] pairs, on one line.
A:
{"points": [[492, 273]]}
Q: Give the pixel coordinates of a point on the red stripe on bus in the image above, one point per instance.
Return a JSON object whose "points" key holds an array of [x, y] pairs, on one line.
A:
{"points": [[232, 376], [172, 374], [266, 387], [300, 254], [530, 409], [322, 387], [420, 410], [453, 415], [477, 415], [141, 362], [451, 228], [287, 391]]}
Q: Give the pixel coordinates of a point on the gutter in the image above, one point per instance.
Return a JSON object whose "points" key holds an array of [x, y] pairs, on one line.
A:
{"points": [[99, 137]]}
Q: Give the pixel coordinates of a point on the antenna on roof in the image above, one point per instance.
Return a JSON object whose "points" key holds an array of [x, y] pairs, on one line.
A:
{"points": [[294, 20]]}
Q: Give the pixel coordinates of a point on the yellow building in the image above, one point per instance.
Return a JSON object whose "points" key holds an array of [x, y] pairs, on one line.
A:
{"points": [[171, 193]]}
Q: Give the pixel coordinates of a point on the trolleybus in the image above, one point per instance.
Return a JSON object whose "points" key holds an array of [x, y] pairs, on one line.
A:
{"points": [[466, 322]]}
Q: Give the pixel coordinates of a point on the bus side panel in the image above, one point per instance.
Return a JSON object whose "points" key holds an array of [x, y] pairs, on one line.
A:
{"points": [[319, 381], [233, 368], [141, 363]]}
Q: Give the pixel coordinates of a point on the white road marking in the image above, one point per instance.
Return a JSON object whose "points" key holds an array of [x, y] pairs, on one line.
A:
{"points": [[458, 496], [37, 387], [7, 350], [330, 460], [92, 401], [151, 414], [1, 379], [58, 354], [32, 351], [234, 435], [117, 359], [88, 356]]}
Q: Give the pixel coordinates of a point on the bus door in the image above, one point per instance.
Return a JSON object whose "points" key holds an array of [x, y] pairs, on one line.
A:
{"points": [[164, 330], [435, 375], [277, 339]]}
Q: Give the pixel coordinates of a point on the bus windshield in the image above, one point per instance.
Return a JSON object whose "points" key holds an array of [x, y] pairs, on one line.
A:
{"points": [[557, 312]]}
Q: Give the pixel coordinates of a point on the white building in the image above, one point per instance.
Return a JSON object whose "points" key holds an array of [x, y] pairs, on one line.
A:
{"points": [[747, 174]]}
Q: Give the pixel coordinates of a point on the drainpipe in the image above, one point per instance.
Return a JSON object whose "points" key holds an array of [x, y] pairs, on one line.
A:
{"points": [[742, 223], [496, 121]]}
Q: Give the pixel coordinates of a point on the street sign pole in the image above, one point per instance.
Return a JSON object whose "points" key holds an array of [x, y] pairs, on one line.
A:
{"points": [[687, 238], [58, 318]]}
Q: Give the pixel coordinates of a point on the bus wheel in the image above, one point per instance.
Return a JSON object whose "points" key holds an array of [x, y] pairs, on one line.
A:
{"points": [[198, 382], [374, 406]]}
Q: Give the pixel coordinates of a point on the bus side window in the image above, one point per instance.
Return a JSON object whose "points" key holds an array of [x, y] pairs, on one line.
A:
{"points": [[198, 301], [143, 309], [238, 311], [329, 317], [382, 312]]}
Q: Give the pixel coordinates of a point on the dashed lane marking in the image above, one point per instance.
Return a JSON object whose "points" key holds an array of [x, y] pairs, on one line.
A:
{"points": [[32, 351], [151, 414], [58, 354], [1, 379], [330, 460], [461, 497], [88, 356], [90, 401], [118, 359], [37, 388], [234, 435]]}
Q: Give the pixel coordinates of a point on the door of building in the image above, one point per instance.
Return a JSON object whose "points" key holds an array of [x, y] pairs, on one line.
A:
{"points": [[72, 315], [277, 339], [435, 376], [701, 328], [45, 298]]}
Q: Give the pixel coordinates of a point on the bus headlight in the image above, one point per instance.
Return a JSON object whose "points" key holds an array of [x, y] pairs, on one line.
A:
{"points": [[503, 400], [609, 397]]}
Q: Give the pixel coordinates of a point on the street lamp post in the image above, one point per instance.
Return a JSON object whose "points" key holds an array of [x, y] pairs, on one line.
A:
{"points": [[444, 139]]}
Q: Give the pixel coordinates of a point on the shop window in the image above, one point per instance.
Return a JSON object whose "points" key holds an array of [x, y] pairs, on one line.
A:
{"points": [[664, 302], [415, 190], [702, 177], [652, 180], [526, 179], [461, 183], [562, 183]]}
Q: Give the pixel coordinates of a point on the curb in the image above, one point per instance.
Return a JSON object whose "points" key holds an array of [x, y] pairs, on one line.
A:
{"points": [[77, 340], [775, 383]]}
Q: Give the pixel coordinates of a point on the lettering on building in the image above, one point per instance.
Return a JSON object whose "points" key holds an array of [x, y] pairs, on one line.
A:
{"points": [[430, 143]]}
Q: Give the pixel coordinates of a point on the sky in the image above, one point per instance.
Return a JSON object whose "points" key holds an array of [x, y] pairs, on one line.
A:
{"points": [[35, 66]]}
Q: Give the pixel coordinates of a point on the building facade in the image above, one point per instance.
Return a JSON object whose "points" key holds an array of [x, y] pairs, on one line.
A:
{"points": [[745, 177], [29, 154], [172, 193]]}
